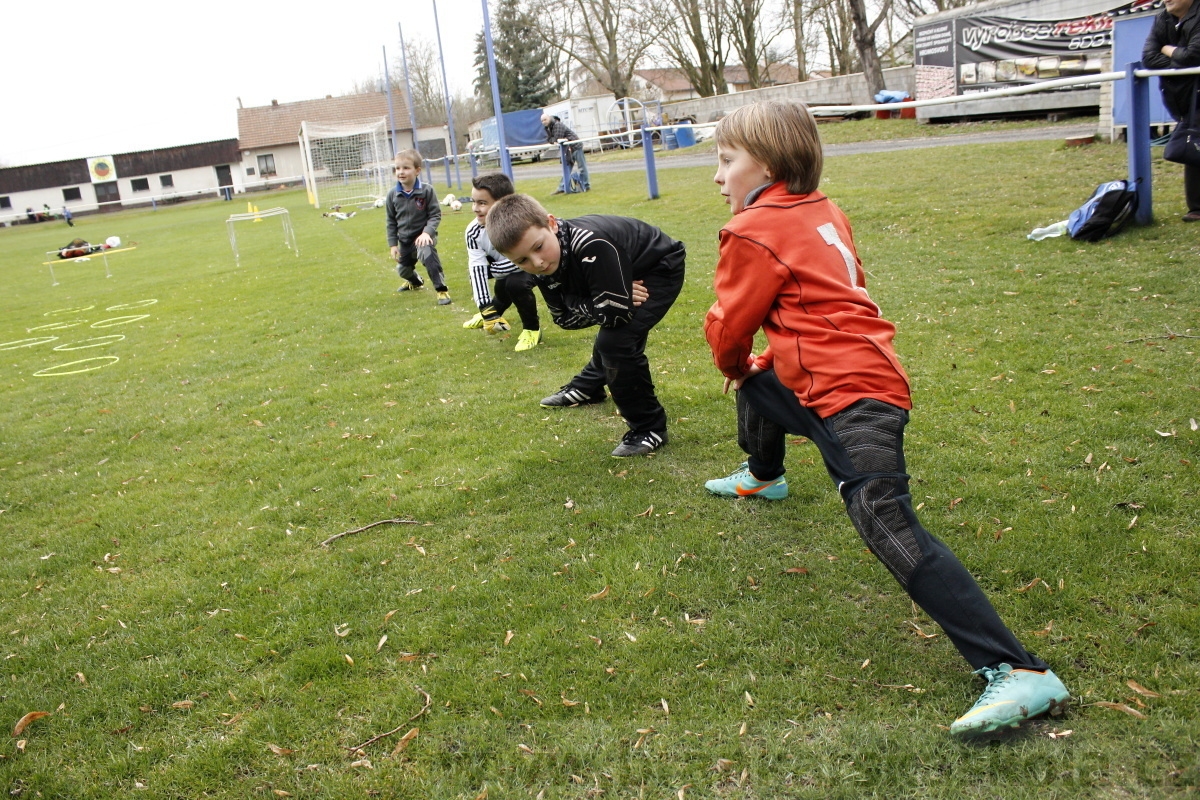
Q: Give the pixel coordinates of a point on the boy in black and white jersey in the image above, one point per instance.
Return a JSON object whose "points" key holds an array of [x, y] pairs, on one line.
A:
{"points": [[484, 262], [615, 272]]}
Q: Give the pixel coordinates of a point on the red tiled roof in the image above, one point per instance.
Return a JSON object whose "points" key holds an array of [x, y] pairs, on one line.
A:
{"points": [[277, 124], [667, 80]]}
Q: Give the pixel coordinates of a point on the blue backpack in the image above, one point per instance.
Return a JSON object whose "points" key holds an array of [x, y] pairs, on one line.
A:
{"points": [[1105, 212]]}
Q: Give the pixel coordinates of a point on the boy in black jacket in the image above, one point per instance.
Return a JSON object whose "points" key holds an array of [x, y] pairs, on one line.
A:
{"points": [[615, 272], [413, 215]]}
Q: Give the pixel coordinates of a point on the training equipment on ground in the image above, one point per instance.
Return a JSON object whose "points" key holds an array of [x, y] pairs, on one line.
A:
{"points": [[643, 443], [103, 252], [569, 397], [1011, 697], [289, 235], [346, 163], [740, 483]]}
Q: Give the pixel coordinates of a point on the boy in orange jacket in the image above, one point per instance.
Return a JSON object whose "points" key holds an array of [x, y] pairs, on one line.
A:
{"points": [[788, 267]]}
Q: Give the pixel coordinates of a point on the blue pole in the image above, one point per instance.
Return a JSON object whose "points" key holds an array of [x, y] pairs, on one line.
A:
{"points": [[651, 172], [505, 158], [449, 110], [1137, 142], [387, 87], [412, 109], [474, 166]]}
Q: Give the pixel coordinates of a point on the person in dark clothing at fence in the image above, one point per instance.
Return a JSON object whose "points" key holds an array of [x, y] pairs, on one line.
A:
{"points": [[556, 129], [1174, 43]]}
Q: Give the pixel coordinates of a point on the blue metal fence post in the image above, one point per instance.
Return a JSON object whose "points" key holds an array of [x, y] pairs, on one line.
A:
{"points": [[651, 172], [505, 158], [1137, 142], [474, 167], [566, 166]]}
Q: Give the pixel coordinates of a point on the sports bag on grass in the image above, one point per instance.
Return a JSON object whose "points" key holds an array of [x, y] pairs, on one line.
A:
{"points": [[1105, 212], [1184, 145]]}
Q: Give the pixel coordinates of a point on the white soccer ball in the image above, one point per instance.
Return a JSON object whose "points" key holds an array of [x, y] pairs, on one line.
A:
{"points": [[455, 205], [113, 241], [380, 202], [448, 199]]}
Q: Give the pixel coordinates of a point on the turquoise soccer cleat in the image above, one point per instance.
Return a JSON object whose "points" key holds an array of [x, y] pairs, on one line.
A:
{"points": [[742, 484], [1011, 697]]}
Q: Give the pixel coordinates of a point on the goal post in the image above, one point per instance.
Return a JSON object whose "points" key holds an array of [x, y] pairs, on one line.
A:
{"points": [[346, 163]]}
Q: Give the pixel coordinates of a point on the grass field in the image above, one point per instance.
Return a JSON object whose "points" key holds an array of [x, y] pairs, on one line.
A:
{"points": [[576, 626]]}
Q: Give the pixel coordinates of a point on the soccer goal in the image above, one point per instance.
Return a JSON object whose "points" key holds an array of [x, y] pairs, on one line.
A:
{"points": [[346, 163]]}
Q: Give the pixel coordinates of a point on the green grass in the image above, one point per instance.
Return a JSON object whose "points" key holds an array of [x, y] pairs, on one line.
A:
{"points": [[261, 409]]}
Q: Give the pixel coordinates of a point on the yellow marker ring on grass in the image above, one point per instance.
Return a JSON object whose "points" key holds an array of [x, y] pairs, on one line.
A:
{"points": [[14, 345], [131, 306], [54, 372], [55, 326], [77, 310], [101, 341], [113, 322]]}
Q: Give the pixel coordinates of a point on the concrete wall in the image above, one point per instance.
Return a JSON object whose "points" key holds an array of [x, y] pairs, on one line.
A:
{"points": [[842, 90]]}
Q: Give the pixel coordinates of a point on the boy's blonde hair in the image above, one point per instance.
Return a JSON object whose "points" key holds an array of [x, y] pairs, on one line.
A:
{"points": [[411, 155], [511, 217], [782, 137]]}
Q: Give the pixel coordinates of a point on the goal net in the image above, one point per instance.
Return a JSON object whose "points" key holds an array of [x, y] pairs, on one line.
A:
{"points": [[346, 163]]}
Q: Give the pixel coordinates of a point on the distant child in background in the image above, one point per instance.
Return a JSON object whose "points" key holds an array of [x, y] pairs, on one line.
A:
{"points": [[615, 272], [788, 267], [484, 262], [413, 215], [67, 217]]}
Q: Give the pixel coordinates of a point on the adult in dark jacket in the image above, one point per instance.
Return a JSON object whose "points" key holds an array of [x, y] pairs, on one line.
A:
{"points": [[1174, 43], [556, 129]]}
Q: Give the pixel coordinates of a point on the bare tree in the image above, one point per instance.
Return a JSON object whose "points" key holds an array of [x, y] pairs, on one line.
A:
{"points": [[606, 37], [864, 42], [694, 39], [834, 19], [751, 32]]}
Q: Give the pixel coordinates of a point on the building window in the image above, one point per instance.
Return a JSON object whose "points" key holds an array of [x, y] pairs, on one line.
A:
{"points": [[249, 170], [167, 181], [5, 202], [72, 193], [140, 184], [266, 165]]}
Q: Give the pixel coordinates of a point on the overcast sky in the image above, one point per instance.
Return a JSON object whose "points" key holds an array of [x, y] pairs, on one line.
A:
{"points": [[97, 78]]}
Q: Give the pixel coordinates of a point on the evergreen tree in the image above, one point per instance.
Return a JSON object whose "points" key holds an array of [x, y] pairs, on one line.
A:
{"points": [[524, 63]]}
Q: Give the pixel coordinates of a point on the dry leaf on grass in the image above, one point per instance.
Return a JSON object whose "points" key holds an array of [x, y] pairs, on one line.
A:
{"points": [[349, 660], [365, 763], [382, 642], [796, 570], [722, 765], [279, 751], [508, 637], [282, 793], [184, 705], [1133, 712], [1142, 690], [24, 721], [405, 741], [482, 793], [600, 595]]}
